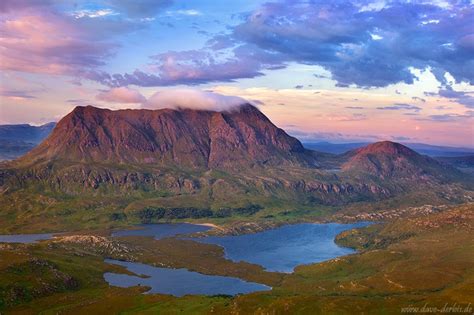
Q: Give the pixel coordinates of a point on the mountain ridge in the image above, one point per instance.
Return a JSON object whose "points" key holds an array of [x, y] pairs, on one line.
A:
{"points": [[190, 138], [105, 165]]}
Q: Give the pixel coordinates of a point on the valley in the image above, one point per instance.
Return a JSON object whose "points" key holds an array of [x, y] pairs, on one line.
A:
{"points": [[395, 268], [102, 168], [100, 173]]}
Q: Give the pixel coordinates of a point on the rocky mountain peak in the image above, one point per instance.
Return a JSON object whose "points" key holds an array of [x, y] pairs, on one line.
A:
{"points": [[187, 138]]}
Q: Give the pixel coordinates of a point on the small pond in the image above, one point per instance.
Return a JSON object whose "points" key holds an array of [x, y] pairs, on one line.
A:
{"points": [[163, 230], [25, 238], [179, 282]]}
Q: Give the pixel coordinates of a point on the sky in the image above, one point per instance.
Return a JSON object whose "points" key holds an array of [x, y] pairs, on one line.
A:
{"points": [[338, 71]]}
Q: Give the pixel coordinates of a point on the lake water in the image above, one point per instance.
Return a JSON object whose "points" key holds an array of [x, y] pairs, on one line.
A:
{"points": [[280, 249], [284, 248], [179, 282], [24, 238], [163, 230]]}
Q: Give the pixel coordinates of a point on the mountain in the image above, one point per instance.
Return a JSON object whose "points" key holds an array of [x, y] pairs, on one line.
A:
{"points": [[188, 138], [26, 133], [388, 159], [105, 168], [16, 140], [422, 148]]}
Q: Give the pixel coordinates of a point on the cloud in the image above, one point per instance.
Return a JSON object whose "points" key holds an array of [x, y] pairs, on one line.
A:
{"points": [[191, 67], [193, 99], [401, 138], [336, 137], [16, 94], [450, 117], [190, 12], [463, 98], [352, 117], [416, 98], [15, 5], [38, 37], [77, 101], [121, 95], [401, 106], [366, 48], [339, 36], [140, 8], [354, 43], [48, 44], [93, 13]]}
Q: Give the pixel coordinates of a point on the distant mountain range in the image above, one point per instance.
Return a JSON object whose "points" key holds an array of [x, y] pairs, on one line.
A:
{"points": [[16, 140], [26, 133], [197, 162]]}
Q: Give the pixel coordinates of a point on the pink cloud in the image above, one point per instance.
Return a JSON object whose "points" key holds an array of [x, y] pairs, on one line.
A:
{"points": [[121, 95], [49, 44]]}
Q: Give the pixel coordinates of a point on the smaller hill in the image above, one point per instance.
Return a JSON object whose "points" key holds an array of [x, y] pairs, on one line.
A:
{"points": [[388, 159]]}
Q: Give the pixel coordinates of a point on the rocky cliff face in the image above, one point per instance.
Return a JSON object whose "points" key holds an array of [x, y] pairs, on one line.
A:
{"points": [[184, 138]]}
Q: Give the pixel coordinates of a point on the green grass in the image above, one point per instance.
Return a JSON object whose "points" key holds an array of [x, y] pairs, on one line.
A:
{"points": [[62, 196], [407, 262]]}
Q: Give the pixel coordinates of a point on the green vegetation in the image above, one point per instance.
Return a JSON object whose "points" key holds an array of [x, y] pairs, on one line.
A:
{"points": [[407, 262], [60, 195], [152, 214]]}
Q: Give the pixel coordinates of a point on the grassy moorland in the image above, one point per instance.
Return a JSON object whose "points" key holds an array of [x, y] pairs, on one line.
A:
{"points": [[411, 261], [221, 199]]}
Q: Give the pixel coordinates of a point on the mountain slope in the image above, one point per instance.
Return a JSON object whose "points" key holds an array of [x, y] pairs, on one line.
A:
{"points": [[392, 160], [184, 138], [102, 167]]}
